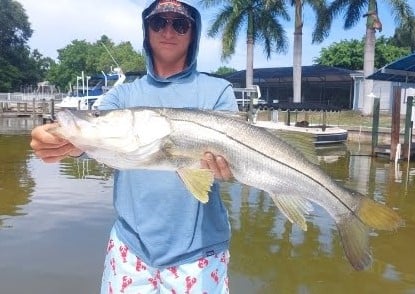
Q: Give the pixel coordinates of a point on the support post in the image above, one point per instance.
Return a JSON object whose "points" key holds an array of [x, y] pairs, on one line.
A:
{"points": [[33, 107], [396, 117], [375, 124], [52, 108], [288, 118], [408, 120]]}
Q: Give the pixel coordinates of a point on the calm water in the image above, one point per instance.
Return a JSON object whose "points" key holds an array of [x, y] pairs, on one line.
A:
{"points": [[55, 220]]}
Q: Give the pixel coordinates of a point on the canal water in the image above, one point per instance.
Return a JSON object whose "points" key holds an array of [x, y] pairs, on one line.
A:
{"points": [[55, 220]]}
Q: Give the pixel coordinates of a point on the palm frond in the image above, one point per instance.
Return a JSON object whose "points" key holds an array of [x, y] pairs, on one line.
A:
{"points": [[402, 11], [323, 20], [354, 13], [223, 17], [212, 3]]}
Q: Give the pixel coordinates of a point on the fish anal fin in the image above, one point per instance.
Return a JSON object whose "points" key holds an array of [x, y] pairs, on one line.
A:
{"points": [[355, 240], [378, 216], [294, 208], [197, 181]]}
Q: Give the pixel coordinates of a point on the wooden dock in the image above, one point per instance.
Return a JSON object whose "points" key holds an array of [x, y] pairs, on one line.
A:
{"points": [[384, 151], [28, 108]]}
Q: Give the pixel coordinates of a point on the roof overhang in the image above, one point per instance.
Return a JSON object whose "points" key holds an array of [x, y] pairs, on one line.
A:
{"points": [[401, 71]]}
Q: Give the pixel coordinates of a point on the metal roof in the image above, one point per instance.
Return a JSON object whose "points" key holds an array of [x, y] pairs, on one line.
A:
{"points": [[401, 70], [312, 72]]}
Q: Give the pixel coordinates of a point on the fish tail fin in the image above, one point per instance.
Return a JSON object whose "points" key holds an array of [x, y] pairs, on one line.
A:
{"points": [[378, 216], [355, 240], [354, 229]]}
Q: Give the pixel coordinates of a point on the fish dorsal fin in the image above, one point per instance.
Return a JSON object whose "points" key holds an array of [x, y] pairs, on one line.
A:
{"points": [[302, 142], [294, 208], [197, 181]]}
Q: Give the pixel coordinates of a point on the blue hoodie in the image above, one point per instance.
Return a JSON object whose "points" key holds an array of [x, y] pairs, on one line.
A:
{"points": [[156, 216]]}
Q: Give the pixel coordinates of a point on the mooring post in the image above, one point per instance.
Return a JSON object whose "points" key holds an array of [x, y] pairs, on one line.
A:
{"points": [[34, 107], [396, 117], [44, 106], [375, 124], [323, 128], [408, 120], [52, 108]]}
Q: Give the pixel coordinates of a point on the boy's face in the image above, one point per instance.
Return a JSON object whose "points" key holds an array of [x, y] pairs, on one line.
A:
{"points": [[167, 45]]}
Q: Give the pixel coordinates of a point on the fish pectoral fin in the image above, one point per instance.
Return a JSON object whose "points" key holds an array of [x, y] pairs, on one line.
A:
{"points": [[294, 208], [355, 240], [197, 181]]}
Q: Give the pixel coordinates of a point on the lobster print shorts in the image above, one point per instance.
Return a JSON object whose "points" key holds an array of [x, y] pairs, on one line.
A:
{"points": [[125, 273]]}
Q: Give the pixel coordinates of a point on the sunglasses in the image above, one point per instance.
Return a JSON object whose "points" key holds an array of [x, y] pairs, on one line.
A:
{"points": [[180, 25]]}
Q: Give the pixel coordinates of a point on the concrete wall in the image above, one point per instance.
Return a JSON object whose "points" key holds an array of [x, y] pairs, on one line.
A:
{"points": [[383, 90]]}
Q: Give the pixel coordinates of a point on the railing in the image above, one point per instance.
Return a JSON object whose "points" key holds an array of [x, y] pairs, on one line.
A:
{"points": [[23, 104], [15, 97]]}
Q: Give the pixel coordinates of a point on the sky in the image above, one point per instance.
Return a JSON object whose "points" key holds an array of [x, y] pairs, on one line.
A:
{"points": [[57, 23]]}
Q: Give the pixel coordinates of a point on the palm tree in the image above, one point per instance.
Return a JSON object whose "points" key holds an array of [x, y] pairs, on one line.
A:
{"points": [[405, 35], [353, 11], [320, 32], [260, 19]]}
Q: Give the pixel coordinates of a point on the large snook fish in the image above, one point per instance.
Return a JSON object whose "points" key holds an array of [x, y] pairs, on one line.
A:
{"points": [[176, 139]]}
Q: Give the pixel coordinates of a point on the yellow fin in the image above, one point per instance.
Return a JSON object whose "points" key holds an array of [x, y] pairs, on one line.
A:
{"points": [[294, 208], [378, 216], [355, 240], [197, 181]]}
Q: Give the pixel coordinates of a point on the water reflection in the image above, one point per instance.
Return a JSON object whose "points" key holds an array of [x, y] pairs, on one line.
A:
{"points": [[85, 168], [67, 208], [16, 183], [275, 256], [18, 125]]}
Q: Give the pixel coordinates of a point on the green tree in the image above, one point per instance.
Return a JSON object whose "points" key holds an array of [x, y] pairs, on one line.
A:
{"points": [[71, 61], [353, 11], [35, 69], [386, 52], [19, 67], [260, 21], [224, 70], [93, 58], [14, 33], [349, 53], [405, 35]]}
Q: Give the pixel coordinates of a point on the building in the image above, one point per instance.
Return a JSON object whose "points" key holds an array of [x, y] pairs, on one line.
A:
{"points": [[324, 85], [321, 84]]}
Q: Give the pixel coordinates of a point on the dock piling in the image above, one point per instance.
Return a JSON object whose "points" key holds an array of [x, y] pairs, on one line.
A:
{"points": [[375, 124]]}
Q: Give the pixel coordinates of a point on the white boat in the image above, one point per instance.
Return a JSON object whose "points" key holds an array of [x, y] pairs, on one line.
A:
{"points": [[91, 89], [128, 78], [322, 134]]}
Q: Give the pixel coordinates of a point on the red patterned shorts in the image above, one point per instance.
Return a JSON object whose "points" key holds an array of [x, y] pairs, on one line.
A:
{"points": [[126, 273]]}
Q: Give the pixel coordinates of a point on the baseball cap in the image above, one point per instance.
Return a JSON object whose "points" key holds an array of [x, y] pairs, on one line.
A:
{"points": [[175, 6]]}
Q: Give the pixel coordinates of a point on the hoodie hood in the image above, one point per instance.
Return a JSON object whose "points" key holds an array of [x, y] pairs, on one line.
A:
{"points": [[193, 49]]}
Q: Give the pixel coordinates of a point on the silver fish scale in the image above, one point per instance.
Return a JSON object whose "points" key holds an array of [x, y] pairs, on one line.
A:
{"points": [[257, 158]]}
